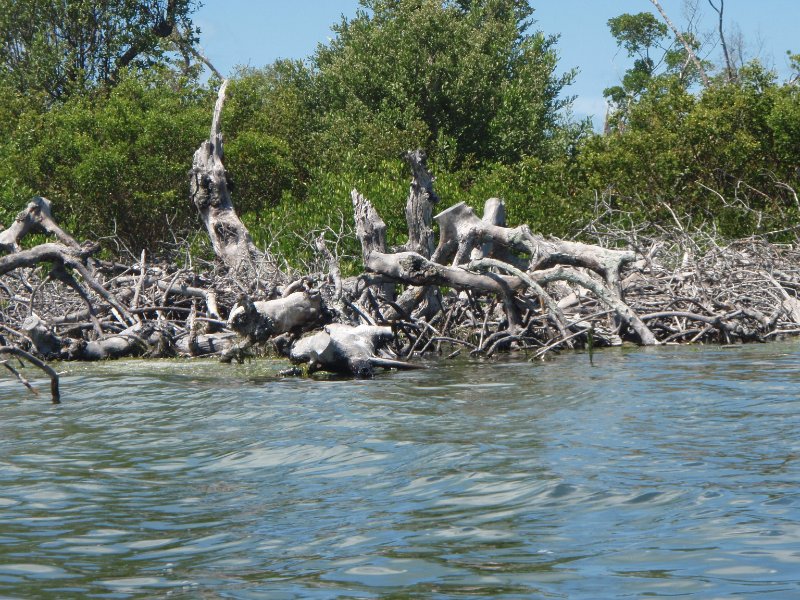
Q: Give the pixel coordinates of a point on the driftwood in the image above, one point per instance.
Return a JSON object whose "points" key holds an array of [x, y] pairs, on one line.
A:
{"points": [[482, 287], [36, 217], [346, 349]]}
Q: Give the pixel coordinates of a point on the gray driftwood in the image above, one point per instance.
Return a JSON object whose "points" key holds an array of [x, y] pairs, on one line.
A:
{"points": [[346, 349]]}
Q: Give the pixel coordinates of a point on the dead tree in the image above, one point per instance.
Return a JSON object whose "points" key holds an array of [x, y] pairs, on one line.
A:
{"points": [[686, 45], [36, 217], [208, 181]]}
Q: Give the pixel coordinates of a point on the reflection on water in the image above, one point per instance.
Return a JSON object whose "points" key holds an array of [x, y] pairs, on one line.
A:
{"points": [[666, 473]]}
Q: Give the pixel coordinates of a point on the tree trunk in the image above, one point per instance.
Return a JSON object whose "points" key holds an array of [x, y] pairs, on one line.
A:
{"points": [[230, 238], [419, 207]]}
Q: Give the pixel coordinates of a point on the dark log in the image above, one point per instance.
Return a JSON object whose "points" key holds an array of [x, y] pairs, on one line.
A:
{"points": [[129, 342]]}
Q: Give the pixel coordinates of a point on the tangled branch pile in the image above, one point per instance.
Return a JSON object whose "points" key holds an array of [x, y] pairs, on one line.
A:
{"points": [[481, 288]]}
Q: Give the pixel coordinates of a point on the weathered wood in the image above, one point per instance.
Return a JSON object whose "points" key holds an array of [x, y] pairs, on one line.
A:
{"points": [[61, 256], [130, 342], [213, 344], [371, 233], [37, 216], [230, 239], [485, 286], [462, 232], [346, 349], [55, 394], [419, 207], [494, 213], [622, 310], [262, 320]]}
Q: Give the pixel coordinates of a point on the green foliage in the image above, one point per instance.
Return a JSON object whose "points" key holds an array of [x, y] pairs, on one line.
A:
{"points": [[726, 157], [638, 33], [114, 165], [55, 49], [656, 54], [466, 80]]}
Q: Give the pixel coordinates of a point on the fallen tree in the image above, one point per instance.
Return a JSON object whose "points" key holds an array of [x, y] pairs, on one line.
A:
{"points": [[482, 287]]}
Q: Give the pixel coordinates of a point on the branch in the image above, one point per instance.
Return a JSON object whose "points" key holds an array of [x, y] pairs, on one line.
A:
{"points": [[685, 43], [55, 394]]}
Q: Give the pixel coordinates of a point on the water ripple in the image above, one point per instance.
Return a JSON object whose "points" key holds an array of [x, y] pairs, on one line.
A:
{"points": [[667, 472]]}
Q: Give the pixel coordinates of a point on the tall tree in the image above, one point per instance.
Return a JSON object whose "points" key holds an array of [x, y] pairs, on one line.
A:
{"points": [[659, 60], [58, 48], [468, 79]]}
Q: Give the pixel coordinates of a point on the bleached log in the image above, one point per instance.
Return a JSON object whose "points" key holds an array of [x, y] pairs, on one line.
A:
{"points": [[259, 321], [371, 232], [461, 231], [414, 269], [624, 312], [346, 349]]}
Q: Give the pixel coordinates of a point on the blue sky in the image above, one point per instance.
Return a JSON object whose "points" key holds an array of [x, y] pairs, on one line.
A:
{"points": [[256, 32]]}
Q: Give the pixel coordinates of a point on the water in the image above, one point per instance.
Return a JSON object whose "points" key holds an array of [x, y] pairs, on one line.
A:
{"points": [[671, 472]]}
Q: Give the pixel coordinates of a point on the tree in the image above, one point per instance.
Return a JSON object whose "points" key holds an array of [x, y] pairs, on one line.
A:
{"points": [[725, 156], [685, 41], [114, 164], [468, 80], [730, 72], [638, 34], [655, 53], [59, 48]]}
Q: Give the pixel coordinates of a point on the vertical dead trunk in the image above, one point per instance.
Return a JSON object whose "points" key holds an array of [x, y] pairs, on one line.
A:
{"points": [[419, 207], [422, 302], [209, 191], [729, 70], [371, 232]]}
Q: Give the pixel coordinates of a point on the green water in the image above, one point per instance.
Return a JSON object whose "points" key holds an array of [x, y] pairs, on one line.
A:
{"points": [[672, 472]]}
